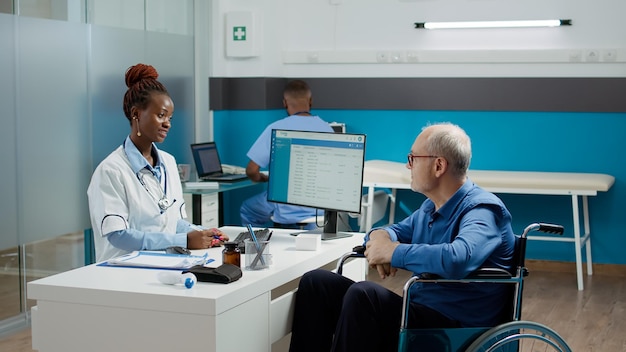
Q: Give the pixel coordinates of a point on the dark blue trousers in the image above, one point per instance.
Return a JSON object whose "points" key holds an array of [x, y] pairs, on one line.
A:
{"points": [[333, 313]]}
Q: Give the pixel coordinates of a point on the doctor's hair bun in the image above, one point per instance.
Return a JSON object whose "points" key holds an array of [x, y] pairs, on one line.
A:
{"points": [[142, 82], [140, 72]]}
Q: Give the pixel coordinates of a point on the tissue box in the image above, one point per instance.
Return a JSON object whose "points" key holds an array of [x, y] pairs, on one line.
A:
{"points": [[308, 242]]}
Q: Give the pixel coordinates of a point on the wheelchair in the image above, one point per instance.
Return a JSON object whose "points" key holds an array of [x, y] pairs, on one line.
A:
{"points": [[513, 335]]}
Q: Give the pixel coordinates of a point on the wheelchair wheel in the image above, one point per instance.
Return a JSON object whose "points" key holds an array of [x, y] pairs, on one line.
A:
{"points": [[522, 336]]}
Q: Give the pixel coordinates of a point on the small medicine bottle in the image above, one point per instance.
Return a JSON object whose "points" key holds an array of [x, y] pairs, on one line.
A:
{"points": [[231, 254]]}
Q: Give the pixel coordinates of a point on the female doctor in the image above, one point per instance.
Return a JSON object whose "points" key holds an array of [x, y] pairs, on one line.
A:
{"points": [[135, 194]]}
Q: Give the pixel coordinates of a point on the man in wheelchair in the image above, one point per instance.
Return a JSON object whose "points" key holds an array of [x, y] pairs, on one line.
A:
{"points": [[457, 229]]}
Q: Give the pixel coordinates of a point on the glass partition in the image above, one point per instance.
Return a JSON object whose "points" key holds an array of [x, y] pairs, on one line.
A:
{"points": [[52, 128], [63, 10], [61, 91], [8, 157]]}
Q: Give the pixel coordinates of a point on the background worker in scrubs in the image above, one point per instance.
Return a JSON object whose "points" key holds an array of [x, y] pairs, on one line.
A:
{"points": [[256, 210], [135, 195]]}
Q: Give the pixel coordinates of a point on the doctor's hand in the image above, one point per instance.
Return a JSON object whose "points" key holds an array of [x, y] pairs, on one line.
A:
{"points": [[207, 238], [378, 251]]}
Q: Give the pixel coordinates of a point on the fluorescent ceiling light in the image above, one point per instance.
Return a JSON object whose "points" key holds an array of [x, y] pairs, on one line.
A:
{"points": [[493, 24]]}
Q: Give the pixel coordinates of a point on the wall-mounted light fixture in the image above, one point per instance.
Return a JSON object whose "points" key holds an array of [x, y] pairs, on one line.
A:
{"points": [[493, 24]]}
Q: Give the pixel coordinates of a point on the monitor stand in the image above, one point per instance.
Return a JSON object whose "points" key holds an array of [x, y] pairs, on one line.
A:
{"points": [[329, 231]]}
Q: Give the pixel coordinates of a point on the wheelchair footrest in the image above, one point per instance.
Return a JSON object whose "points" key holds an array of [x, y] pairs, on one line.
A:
{"points": [[438, 340]]}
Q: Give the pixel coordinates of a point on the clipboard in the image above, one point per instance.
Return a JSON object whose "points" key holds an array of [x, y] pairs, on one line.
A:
{"points": [[157, 260]]}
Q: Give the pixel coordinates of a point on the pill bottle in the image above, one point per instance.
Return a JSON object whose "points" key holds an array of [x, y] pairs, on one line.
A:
{"points": [[231, 254]]}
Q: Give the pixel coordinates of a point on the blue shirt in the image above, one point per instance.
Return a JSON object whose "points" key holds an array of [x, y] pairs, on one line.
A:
{"points": [[139, 162], [471, 230], [260, 154], [260, 150]]}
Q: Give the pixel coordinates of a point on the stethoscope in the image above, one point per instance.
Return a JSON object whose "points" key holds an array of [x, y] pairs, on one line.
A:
{"points": [[163, 202]]}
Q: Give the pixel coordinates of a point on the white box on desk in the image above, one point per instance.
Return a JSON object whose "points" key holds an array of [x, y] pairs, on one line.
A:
{"points": [[308, 242]]}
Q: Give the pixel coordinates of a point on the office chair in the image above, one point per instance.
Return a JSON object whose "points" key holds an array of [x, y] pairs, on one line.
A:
{"points": [[89, 246], [511, 335]]}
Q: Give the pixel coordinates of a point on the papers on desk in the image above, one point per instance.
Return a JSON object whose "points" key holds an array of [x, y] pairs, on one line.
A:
{"points": [[158, 260]]}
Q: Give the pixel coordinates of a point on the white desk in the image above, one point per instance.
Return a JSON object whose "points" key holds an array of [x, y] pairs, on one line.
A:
{"points": [[99, 308], [395, 175]]}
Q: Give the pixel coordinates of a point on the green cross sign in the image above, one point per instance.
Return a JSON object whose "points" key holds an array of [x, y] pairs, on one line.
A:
{"points": [[239, 33]]}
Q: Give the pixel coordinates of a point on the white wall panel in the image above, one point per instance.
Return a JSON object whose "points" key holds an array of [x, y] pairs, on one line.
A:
{"points": [[320, 29]]}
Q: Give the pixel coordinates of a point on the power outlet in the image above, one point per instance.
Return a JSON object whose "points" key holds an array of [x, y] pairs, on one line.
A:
{"points": [[397, 57], [609, 55], [575, 56], [382, 57], [411, 56], [313, 58], [592, 55]]}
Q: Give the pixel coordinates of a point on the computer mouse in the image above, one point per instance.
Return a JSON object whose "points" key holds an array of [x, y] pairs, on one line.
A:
{"points": [[177, 250]]}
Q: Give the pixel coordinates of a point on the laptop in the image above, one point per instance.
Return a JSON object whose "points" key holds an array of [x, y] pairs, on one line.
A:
{"points": [[209, 166]]}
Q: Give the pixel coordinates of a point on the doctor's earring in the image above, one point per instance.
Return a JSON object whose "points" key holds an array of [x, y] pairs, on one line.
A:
{"points": [[138, 133]]}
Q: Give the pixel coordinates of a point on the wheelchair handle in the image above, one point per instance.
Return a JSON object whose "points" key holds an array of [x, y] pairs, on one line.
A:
{"points": [[543, 227]]}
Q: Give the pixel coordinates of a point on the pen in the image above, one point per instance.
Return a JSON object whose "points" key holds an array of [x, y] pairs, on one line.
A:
{"points": [[257, 245], [259, 255]]}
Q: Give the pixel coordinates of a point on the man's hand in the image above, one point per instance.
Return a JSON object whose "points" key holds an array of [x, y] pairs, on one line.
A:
{"points": [[253, 170], [378, 251]]}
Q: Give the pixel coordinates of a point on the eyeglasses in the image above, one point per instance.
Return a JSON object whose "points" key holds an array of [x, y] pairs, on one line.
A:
{"points": [[410, 158]]}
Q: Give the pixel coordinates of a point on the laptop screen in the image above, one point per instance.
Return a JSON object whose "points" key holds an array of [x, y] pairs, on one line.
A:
{"points": [[206, 158]]}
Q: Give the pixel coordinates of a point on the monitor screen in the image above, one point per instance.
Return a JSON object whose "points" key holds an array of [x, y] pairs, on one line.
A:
{"points": [[322, 170]]}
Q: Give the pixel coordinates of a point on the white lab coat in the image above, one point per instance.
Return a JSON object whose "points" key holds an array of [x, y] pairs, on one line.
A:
{"points": [[118, 201]]}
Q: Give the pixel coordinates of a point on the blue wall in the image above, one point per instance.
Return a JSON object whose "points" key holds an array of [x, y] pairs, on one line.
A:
{"points": [[520, 141]]}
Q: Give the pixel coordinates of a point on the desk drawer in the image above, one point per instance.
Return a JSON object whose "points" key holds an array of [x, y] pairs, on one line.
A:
{"points": [[281, 315], [284, 298], [210, 210]]}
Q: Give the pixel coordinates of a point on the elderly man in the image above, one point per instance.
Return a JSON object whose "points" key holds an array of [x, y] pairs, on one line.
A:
{"points": [[457, 229]]}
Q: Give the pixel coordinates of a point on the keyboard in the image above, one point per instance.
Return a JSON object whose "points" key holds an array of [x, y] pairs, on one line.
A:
{"points": [[261, 235]]}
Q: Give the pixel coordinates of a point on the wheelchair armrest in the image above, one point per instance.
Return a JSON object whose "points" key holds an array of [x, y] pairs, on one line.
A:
{"points": [[489, 273], [357, 252], [359, 249], [482, 273]]}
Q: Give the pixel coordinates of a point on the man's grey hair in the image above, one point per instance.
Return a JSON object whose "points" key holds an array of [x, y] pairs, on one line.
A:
{"points": [[453, 144]]}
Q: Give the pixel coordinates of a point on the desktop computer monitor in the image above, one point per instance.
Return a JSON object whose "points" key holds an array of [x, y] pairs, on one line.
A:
{"points": [[322, 170]]}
